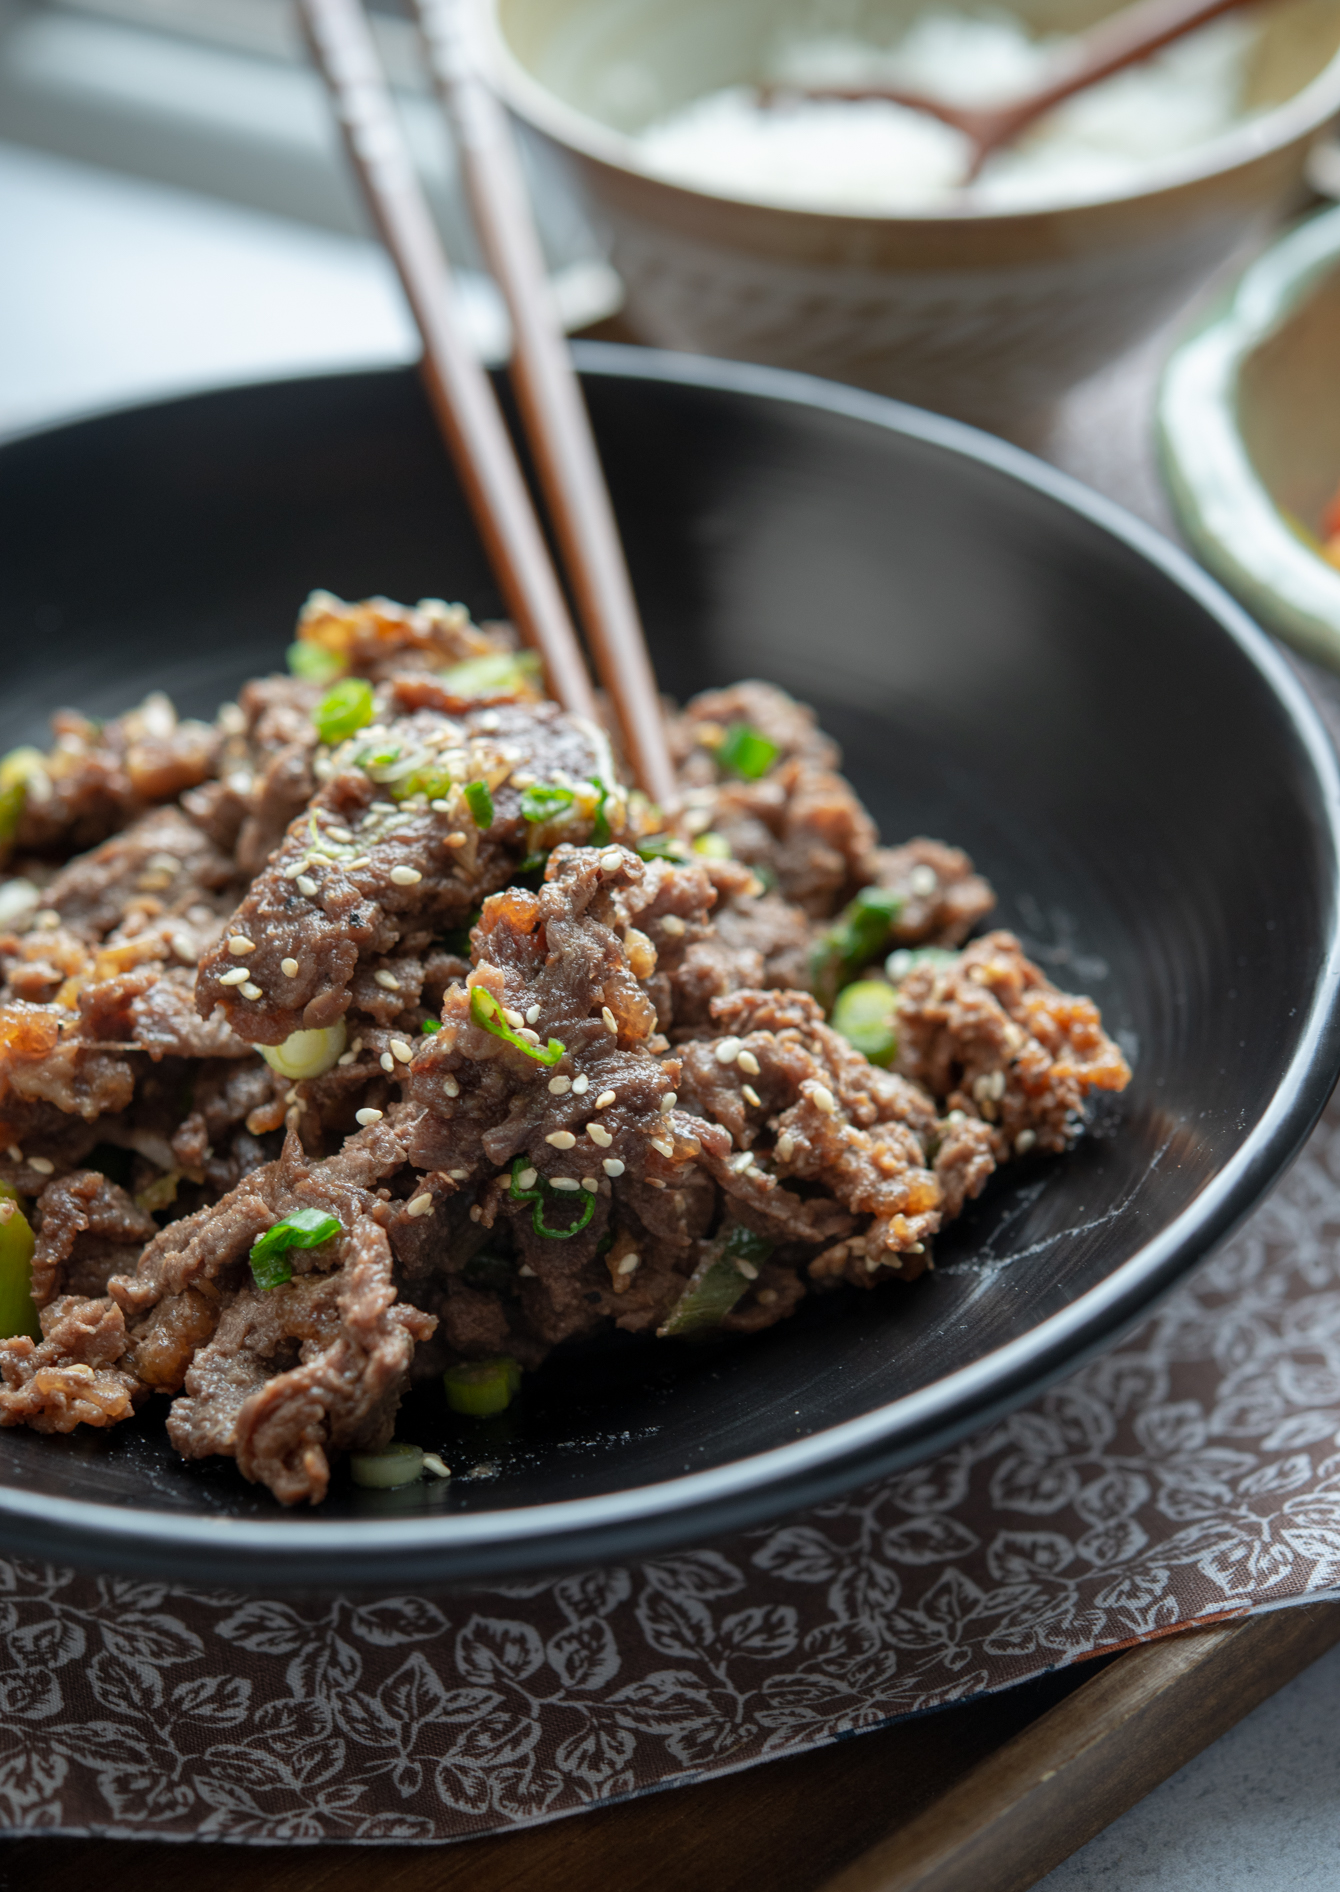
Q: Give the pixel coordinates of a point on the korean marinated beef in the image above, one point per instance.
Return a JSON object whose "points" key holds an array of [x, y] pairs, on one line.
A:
{"points": [[377, 1028]]}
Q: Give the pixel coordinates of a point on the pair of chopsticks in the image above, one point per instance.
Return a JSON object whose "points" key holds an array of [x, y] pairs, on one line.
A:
{"points": [[550, 401]]}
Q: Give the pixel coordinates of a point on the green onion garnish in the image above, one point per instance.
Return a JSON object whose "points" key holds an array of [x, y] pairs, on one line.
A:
{"points": [[302, 1228], [662, 847], [481, 1388], [864, 1014], [858, 935], [600, 827], [536, 1196], [712, 847], [313, 663], [398, 1463], [497, 673], [346, 707], [747, 752], [18, 1315], [429, 1025], [480, 803], [717, 1283], [486, 1012], [545, 802]]}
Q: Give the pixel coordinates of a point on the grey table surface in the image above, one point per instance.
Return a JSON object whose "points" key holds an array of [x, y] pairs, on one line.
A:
{"points": [[127, 290]]}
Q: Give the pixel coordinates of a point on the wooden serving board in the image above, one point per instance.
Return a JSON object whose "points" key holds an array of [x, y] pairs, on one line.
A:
{"points": [[989, 1795]]}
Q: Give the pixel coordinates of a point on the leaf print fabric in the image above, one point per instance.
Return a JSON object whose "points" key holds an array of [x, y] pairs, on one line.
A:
{"points": [[1192, 1474]]}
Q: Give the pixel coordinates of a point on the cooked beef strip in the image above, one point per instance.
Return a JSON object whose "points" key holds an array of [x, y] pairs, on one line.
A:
{"points": [[359, 910], [73, 1375], [87, 1231]]}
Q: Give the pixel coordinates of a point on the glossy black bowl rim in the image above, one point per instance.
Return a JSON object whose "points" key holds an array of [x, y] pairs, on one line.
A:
{"points": [[632, 1523]]}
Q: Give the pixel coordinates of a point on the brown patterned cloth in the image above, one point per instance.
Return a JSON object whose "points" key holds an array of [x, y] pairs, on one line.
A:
{"points": [[1192, 1473]]}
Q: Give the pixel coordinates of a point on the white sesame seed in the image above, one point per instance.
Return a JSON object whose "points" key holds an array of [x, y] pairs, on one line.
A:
{"points": [[364, 860], [368, 1116], [306, 884], [399, 1049], [611, 860], [742, 1162], [746, 1268], [421, 1205], [489, 722], [346, 1057], [591, 1184], [289, 968], [564, 1182], [748, 1063], [437, 1466], [239, 945], [380, 807], [923, 881], [786, 1144], [531, 1037], [476, 1213], [823, 1099], [386, 980], [339, 834], [527, 1273], [42, 1164], [668, 1101], [293, 869], [630, 1264], [611, 1022], [673, 925], [527, 1179], [14, 1153], [514, 1019], [458, 1175], [580, 1084], [450, 1086], [386, 1061], [727, 1051], [237, 975], [599, 1135], [250, 990], [456, 838], [606, 1098], [751, 1096], [612, 1166], [560, 1086], [533, 1015], [1024, 1142], [561, 1139], [659, 1143], [406, 876]]}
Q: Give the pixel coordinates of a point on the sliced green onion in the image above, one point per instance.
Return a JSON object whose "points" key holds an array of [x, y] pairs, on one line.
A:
{"points": [[536, 1196], [302, 1228], [481, 1388], [600, 827], [864, 1014], [161, 1193], [486, 1012], [662, 847], [907, 958], [313, 663], [345, 708], [545, 801], [497, 673], [430, 1025], [18, 1315], [480, 803], [712, 847], [747, 752], [718, 1281], [306, 1053], [396, 1464], [856, 937], [15, 768], [430, 780]]}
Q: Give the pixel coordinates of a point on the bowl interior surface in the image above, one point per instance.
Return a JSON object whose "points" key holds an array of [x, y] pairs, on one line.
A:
{"points": [[626, 62], [1142, 785], [1288, 402]]}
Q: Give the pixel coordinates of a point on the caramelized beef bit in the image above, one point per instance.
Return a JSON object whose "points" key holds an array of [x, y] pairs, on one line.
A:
{"points": [[75, 1375], [380, 640], [87, 1231], [990, 1036], [943, 899], [407, 870]]}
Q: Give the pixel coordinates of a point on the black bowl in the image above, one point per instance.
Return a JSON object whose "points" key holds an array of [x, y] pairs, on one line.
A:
{"points": [[1009, 663]]}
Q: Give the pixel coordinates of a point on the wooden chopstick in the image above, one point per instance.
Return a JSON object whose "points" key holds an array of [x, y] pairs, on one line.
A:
{"points": [[553, 411], [461, 395]]}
